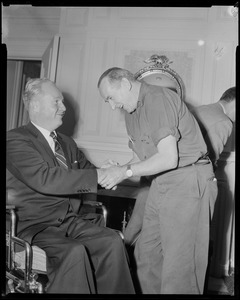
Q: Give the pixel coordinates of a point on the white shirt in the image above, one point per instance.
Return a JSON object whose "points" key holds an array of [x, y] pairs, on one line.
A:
{"points": [[224, 110], [46, 134]]}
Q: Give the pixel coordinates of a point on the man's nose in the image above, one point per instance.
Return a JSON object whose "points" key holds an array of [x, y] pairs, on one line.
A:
{"points": [[62, 107]]}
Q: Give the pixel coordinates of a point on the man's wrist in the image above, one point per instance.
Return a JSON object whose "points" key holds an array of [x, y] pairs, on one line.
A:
{"points": [[129, 172]]}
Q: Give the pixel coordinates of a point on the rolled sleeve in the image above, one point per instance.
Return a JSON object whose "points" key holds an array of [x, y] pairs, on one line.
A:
{"points": [[161, 133]]}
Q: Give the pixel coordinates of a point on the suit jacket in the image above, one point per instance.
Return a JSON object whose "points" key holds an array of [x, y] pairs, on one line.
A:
{"points": [[215, 126], [37, 186]]}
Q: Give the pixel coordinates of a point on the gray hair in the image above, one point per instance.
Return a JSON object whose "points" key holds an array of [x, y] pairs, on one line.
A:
{"points": [[33, 87], [116, 75]]}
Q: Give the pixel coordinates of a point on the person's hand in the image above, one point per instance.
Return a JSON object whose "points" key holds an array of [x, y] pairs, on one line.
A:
{"points": [[109, 163], [101, 176], [110, 177]]}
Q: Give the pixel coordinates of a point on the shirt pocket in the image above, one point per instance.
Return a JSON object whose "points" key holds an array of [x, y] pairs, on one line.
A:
{"points": [[145, 139], [147, 145]]}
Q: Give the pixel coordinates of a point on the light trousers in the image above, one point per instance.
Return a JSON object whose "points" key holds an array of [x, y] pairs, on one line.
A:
{"points": [[172, 250]]}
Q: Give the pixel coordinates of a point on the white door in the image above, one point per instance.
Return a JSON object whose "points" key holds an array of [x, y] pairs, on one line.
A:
{"points": [[49, 59]]}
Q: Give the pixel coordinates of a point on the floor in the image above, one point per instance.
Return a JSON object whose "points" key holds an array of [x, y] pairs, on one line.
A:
{"points": [[221, 286], [216, 286]]}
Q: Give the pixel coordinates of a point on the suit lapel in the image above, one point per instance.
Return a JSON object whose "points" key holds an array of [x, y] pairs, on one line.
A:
{"points": [[75, 203], [38, 135]]}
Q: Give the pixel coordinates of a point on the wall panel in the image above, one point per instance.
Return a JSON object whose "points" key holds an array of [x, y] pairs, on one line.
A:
{"points": [[27, 30], [70, 62], [92, 102]]}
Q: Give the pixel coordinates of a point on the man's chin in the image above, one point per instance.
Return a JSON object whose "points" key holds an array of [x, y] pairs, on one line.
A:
{"points": [[59, 123]]}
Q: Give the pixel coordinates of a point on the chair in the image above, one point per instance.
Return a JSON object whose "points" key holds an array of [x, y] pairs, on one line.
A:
{"points": [[26, 265]]}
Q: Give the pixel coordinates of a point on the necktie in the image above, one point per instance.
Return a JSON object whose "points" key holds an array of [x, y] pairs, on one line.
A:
{"points": [[59, 152]]}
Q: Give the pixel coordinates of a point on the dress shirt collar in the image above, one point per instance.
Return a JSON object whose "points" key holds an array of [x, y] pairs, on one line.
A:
{"points": [[44, 131], [224, 110], [46, 134]]}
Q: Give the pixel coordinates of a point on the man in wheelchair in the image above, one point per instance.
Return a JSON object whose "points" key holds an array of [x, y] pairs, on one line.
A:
{"points": [[47, 176]]}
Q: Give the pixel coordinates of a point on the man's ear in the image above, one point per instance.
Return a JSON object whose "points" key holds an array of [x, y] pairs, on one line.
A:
{"points": [[34, 106], [126, 83]]}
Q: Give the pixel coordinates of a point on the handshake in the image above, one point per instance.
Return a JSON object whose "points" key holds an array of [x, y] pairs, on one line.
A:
{"points": [[110, 174]]}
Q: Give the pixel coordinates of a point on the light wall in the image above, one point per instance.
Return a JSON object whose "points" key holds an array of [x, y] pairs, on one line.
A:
{"points": [[201, 42], [27, 30]]}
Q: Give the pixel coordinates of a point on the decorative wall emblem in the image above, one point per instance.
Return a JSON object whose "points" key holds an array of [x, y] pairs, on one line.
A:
{"points": [[159, 73], [159, 61]]}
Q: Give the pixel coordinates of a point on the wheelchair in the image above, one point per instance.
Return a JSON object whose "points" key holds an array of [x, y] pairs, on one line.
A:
{"points": [[26, 270]]}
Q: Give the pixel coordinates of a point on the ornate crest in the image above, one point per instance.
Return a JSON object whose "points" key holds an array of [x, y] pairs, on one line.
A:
{"points": [[159, 61], [157, 71]]}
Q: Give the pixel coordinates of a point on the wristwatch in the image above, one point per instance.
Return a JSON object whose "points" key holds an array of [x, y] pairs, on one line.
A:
{"points": [[129, 171]]}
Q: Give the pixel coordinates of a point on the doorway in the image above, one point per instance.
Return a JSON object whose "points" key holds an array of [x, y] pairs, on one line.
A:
{"points": [[18, 73]]}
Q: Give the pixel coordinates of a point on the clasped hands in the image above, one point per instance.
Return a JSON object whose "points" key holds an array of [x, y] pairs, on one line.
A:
{"points": [[110, 174]]}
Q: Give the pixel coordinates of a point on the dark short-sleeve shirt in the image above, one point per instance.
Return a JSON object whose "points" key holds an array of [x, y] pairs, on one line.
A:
{"points": [[160, 113]]}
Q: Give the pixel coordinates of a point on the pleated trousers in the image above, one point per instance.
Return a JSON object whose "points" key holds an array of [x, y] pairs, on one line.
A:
{"points": [[172, 250]]}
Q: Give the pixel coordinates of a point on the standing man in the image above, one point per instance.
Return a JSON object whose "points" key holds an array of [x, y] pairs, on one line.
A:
{"points": [[172, 250], [47, 175], [216, 123]]}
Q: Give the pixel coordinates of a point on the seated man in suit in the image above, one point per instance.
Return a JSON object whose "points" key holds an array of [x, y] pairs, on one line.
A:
{"points": [[216, 123], [46, 177]]}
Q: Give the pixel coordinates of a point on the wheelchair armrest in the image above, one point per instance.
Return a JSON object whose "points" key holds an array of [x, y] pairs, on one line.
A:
{"points": [[28, 252], [92, 202], [13, 239], [99, 205], [120, 233]]}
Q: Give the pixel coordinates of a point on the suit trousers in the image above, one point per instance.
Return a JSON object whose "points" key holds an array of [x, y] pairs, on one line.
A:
{"points": [[172, 250], [85, 258]]}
